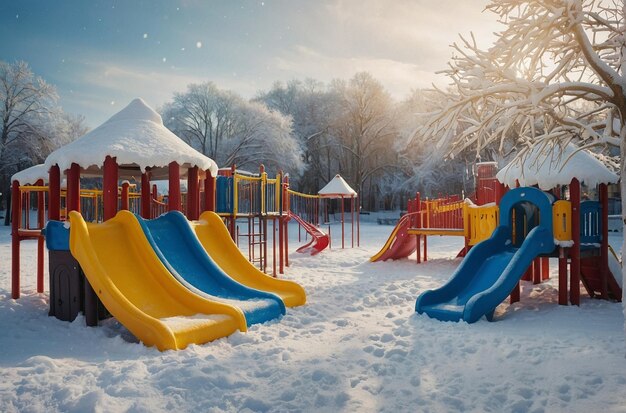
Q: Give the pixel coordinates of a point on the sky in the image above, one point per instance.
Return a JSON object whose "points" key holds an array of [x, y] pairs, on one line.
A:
{"points": [[102, 54]]}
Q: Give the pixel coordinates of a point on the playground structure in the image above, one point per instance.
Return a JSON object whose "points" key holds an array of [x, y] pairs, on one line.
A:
{"points": [[511, 238], [474, 220], [141, 272]]}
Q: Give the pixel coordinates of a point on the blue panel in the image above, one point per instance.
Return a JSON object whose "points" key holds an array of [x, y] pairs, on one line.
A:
{"points": [[57, 236], [493, 267], [181, 252], [224, 194], [590, 222]]}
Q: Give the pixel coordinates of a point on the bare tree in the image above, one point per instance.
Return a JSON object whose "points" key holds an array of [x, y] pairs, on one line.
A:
{"points": [[365, 130], [228, 129], [312, 108], [26, 103], [550, 57]]}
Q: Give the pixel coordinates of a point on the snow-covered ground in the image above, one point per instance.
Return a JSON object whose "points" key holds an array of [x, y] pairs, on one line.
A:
{"points": [[356, 346]]}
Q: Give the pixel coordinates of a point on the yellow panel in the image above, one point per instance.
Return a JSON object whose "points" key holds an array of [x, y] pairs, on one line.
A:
{"points": [[216, 240], [562, 220], [140, 292], [480, 222]]}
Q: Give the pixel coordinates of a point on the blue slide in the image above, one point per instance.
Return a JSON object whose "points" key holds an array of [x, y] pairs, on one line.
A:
{"points": [[493, 267], [177, 246]]}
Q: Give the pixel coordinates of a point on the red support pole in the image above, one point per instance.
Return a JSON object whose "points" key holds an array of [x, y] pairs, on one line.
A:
{"points": [[574, 191], [146, 198], [604, 246], [284, 212], [209, 192], [562, 276], [352, 220], [109, 188], [54, 193], [193, 194], [358, 221], [173, 197], [40, 240], [73, 188], [286, 237], [274, 247], [155, 196], [545, 268], [342, 226], [515, 294], [16, 212], [536, 271], [125, 196]]}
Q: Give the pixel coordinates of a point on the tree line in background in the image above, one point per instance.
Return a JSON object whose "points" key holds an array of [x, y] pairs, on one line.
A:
{"points": [[306, 128], [313, 131]]}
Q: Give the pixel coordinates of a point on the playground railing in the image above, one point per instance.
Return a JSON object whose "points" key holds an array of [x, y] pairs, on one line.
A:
{"points": [[307, 206], [248, 195], [447, 213], [271, 201], [590, 222]]}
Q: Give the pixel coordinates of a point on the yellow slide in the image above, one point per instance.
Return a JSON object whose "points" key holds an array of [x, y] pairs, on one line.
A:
{"points": [[216, 240], [140, 292]]}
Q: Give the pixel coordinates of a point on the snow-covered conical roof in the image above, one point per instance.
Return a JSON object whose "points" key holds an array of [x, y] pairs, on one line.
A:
{"points": [[549, 166], [138, 139], [336, 188]]}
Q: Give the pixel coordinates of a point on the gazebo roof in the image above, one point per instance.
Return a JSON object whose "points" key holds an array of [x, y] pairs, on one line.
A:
{"points": [[548, 166], [31, 175], [337, 188], [138, 139]]}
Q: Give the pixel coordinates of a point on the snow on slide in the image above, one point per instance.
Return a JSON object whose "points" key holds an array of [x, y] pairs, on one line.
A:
{"points": [[140, 292], [216, 240], [176, 244], [399, 244]]}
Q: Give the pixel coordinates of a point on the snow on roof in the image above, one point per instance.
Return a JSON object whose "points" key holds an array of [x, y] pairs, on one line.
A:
{"points": [[548, 166], [31, 175], [137, 137], [336, 188]]}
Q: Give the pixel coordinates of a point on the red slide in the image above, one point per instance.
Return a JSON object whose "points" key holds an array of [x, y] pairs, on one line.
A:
{"points": [[319, 239], [399, 245]]}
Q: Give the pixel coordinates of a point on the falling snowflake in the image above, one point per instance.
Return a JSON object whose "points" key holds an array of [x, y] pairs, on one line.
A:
{"points": [[145, 35], [165, 59], [198, 44]]}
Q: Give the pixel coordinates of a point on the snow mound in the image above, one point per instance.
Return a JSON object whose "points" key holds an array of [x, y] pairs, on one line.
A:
{"points": [[550, 165], [135, 136]]}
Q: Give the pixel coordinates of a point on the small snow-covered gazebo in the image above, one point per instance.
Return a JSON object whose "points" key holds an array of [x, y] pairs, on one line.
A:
{"points": [[338, 188], [132, 142], [552, 167]]}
